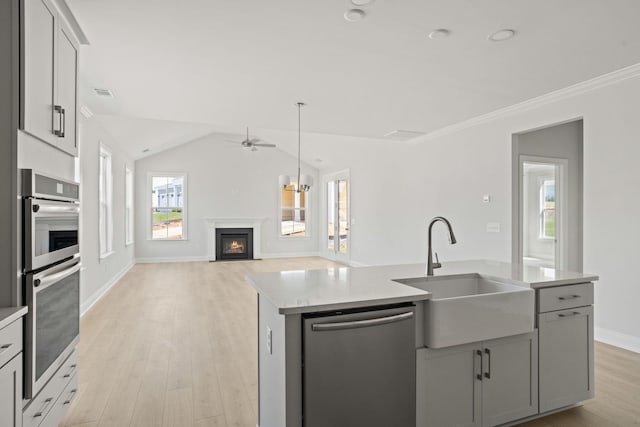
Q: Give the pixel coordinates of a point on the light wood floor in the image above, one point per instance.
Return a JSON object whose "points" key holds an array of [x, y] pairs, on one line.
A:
{"points": [[175, 345]]}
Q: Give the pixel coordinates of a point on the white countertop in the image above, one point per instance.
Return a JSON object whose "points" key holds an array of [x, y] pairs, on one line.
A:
{"points": [[306, 291], [9, 315]]}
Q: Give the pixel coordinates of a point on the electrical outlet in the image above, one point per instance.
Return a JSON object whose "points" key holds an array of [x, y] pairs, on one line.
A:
{"points": [[269, 341]]}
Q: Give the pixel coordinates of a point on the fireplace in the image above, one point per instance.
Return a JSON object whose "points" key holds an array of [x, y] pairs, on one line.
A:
{"points": [[234, 243]]}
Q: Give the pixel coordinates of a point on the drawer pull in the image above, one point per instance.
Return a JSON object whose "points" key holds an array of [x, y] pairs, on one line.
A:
{"points": [[573, 313], [47, 402], [71, 369], [72, 394], [568, 297]]}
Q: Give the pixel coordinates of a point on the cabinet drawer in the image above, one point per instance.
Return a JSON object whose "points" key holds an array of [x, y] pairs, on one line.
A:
{"points": [[562, 297], [62, 404], [43, 403], [10, 341]]}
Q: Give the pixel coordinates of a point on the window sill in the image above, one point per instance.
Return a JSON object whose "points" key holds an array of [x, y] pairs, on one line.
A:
{"points": [[106, 255], [295, 237]]}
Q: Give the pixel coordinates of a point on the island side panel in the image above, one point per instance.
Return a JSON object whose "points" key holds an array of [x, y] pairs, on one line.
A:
{"points": [[279, 371]]}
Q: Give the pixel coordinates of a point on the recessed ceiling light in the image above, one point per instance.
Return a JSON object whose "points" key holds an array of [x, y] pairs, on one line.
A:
{"points": [[361, 2], [501, 35], [354, 15], [146, 150], [440, 33]]}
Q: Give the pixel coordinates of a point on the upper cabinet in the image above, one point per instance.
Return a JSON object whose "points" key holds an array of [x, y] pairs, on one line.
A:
{"points": [[49, 77]]}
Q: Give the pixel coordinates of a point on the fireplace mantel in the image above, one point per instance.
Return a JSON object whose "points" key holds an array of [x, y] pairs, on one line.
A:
{"points": [[213, 223]]}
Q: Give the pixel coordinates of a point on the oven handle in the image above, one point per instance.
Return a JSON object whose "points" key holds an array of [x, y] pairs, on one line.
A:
{"points": [[46, 281], [39, 208]]}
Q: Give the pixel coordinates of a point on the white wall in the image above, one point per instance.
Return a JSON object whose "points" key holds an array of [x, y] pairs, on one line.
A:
{"points": [[223, 181], [396, 189], [99, 275]]}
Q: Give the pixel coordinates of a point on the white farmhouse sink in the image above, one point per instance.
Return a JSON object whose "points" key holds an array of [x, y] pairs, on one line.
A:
{"points": [[468, 308]]}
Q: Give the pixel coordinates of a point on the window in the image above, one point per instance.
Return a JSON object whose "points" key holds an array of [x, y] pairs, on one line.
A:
{"points": [[168, 196], [548, 209], [128, 206], [293, 206], [106, 203]]}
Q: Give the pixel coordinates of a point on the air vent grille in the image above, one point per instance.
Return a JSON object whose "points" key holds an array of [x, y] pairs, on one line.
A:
{"points": [[103, 92]]}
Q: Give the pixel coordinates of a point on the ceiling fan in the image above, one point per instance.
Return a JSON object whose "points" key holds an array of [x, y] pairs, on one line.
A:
{"points": [[251, 144]]}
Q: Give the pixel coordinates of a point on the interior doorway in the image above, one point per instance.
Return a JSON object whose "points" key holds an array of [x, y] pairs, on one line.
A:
{"points": [[337, 240], [547, 196]]}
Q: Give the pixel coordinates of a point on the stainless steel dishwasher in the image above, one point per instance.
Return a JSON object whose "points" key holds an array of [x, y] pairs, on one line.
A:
{"points": [[359, 368]]}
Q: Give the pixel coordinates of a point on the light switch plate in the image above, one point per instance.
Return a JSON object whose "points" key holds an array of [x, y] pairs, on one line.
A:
{"points": [[493, 227]]}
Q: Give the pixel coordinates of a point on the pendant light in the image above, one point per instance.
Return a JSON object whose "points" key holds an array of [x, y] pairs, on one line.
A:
{"points": [[304, 182]]}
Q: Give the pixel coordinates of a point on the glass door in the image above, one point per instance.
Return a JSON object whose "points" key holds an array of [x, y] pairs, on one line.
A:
{"points": [[337, 242]]}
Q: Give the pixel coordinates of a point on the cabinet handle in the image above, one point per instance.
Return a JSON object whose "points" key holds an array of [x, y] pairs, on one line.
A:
{"points": [[488, 373], [568, 297], [71, 369], [479, 376], [60, 131], [72, 394], [573, 313], [47, 402], [5, 347], [361, 323]]}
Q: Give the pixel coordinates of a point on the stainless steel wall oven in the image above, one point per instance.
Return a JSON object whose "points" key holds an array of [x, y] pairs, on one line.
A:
{"points": [[51, 275]]}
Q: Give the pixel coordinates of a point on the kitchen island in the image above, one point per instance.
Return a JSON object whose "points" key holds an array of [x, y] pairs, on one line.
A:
{"points": [[556, 329]]}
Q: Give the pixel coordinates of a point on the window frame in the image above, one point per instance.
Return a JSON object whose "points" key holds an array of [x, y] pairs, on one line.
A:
{"points": [[149, 204], [105, 202], [307, 216], [129, 206]]}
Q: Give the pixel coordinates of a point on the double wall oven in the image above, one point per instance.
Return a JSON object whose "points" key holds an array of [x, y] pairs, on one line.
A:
{"points": [[51, 274]]}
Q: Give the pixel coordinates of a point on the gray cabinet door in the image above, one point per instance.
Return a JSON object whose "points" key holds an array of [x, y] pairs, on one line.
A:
{"points": [[448, 388], [39, 65], [67, 88], [510, 378], [566, 357], [11, 393]]}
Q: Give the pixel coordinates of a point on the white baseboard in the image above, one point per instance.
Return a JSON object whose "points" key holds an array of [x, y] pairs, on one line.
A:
{"points": [[617, 339], [353, 263], [95, 297], [288, 255], [154, 260]]}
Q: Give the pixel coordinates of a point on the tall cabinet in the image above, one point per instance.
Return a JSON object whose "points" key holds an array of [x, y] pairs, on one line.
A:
{"points": [[49, 76]]}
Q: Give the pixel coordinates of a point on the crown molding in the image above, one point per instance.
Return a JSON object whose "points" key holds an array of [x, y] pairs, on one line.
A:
{"points": [[595, 83]]}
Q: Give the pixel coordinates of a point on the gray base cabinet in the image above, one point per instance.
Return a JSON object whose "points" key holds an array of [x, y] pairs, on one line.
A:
{"points": [[479, 384], [566, 357], [11, 393], [11, 374]]}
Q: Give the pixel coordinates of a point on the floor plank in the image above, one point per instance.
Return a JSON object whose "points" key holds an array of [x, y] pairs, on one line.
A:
{"points": [[174, 344]]}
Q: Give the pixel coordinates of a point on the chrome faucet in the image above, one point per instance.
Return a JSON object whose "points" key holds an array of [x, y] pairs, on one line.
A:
{"points": [[452, 239]]}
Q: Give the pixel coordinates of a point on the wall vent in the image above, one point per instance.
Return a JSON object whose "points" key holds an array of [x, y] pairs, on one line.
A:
{"points": [[104, 92], [403, 135]]}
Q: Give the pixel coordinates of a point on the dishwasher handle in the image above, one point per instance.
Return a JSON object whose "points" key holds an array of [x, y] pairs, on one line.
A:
{"points": [[361, 323]]}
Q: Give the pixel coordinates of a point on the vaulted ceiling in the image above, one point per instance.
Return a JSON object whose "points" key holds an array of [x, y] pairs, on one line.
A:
{"points": [[200, 66]]}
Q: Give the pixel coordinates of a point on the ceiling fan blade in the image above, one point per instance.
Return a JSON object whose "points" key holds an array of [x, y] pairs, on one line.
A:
{"points": [[265, 145], [253, 140]]}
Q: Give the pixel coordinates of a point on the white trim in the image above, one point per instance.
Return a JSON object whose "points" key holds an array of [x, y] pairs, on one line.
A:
{"points": [[618, 339], [357, 264], [97, 295], [157, 260], [129, 193], [289, 255], [630, 72], [213, 223]]}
